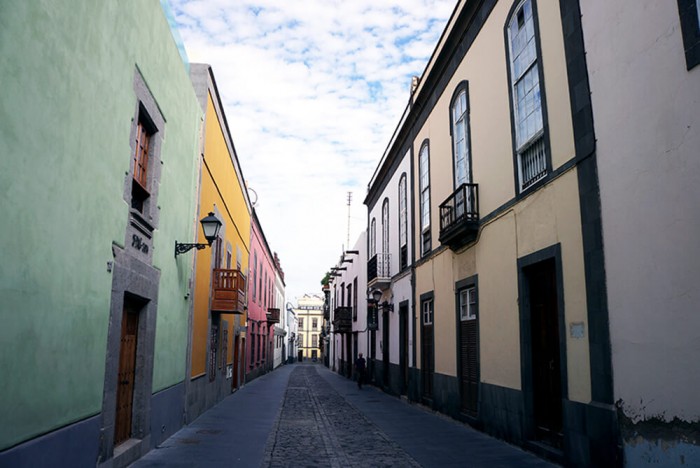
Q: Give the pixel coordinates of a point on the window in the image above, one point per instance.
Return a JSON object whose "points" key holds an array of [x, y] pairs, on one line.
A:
{"points": [[460, 138], [526, 97], [689, 11], [301, 323], [314, 341], [314, 323], [255, 274], [354, 300], [403, 222], [385, 226], [467, 304], [427, 312], [139, 188], [373, 238], [424, 171]]}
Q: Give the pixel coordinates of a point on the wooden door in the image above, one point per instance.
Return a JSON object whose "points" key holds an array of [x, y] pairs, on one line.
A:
{"points": [[385, 347], [427, 349], [127, 373], [546, 365], [236, 355], [468, 351], [403, 348]]}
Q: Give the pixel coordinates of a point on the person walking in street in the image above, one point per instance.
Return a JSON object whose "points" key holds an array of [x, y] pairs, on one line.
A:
{"points": [[360, 364]]}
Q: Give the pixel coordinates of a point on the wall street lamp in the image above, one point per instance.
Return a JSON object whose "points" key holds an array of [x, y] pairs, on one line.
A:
{"points": [[373, 309], [211, 226]]}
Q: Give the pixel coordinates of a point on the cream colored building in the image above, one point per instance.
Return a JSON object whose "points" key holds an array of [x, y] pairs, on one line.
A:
{"points": [[508, 304], [309, 313]]}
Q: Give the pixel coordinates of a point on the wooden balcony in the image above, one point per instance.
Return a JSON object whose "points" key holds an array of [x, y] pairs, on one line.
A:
{"points": [[273, 315], [459, 217], [342, 320], [228, 291]]}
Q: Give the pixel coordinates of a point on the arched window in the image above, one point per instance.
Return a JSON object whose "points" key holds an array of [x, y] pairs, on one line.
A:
{"points": [[527, 102], [460, 137], [403, 222], [385, 226], [373, 238], [424, 185]]}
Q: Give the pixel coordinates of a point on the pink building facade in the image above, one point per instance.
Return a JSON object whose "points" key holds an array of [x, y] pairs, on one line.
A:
{"points": [[263, 312]]}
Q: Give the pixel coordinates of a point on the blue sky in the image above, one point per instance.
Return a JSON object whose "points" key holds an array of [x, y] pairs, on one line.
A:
{"points": [[312, 92]]}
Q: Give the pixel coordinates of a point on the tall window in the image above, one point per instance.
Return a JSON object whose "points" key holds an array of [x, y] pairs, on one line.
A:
{"points": [[314, 341], [373, 238], [403, 222], [255, 274], [354, 299], [314, 323], [424, 171], [527, 99], [460, 138], [301, 323], [139, 189]]}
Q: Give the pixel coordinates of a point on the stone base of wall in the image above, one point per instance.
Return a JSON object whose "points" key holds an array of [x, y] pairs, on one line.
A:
{"points": [[73, 445]]}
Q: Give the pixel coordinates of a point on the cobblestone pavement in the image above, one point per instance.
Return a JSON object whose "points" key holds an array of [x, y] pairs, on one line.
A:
{"points": [[317, 427]]}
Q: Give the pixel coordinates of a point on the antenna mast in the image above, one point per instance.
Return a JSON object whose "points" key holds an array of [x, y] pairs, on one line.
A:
{"points": [[349, 201]]}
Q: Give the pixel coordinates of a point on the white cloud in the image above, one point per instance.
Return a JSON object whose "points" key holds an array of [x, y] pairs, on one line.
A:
{"points": [[312, 92]]}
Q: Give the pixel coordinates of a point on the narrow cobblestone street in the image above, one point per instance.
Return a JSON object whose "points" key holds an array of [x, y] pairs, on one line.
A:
{"points": [[305, 415]]}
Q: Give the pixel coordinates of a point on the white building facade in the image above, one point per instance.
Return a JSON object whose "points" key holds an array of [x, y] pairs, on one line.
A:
{"points": [[389, 262]]}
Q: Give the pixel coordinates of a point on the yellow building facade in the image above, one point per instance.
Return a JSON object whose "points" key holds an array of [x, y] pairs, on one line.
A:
{"points": [[218, 319]]}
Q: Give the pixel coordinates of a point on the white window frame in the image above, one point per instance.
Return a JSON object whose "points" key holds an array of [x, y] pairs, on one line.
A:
{"points": [[385, 226], [424, 184], [373, 238], [460, 139], [528, 111], [467, 304], [427, 312], [403, 210]]}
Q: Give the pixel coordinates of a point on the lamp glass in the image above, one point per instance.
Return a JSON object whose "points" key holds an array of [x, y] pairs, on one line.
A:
{"points": [[376, 295], [210, 226]]}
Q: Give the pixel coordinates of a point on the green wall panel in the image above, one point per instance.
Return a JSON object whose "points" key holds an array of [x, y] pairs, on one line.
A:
{"points": [[66, 70]]}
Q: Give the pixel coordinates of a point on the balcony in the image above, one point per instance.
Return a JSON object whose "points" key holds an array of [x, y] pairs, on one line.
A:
{"points": [[273, 315], [379, 271], [228, 291], [459, 217], [342, 320]]}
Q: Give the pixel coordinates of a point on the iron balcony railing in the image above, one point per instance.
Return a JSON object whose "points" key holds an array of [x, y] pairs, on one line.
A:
{"points": [[459, 216], [228, 291], [379, 266]]}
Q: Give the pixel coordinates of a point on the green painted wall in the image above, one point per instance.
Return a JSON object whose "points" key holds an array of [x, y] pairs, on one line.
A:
{"points": [[67, 101]]}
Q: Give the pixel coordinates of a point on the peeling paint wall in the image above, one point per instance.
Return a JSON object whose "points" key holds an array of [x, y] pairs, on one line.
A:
{"points": [[646, 107]]}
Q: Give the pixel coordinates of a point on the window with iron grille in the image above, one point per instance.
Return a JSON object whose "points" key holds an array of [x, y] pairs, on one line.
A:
{"points": [[526, 96]]}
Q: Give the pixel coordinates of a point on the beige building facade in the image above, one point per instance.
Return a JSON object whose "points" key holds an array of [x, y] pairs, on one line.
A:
{"points": [[508, 308], [309, 314]]}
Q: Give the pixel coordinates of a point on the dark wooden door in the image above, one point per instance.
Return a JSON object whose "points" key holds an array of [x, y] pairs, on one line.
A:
{"points": [[468, 351], [385, 347], [427, 360], [236, 356], [403, 348], [127, 373], [546, 364]]}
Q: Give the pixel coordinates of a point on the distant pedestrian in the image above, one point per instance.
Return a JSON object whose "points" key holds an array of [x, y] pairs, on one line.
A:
{"points": [[360, 365]]}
